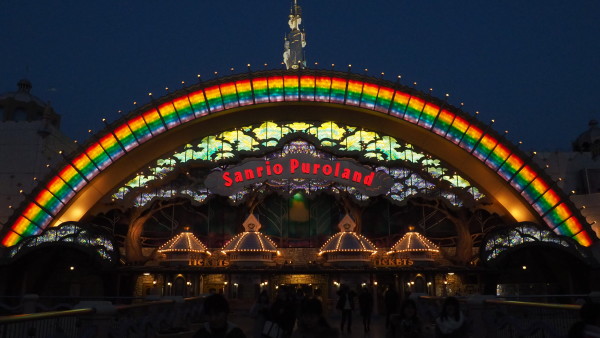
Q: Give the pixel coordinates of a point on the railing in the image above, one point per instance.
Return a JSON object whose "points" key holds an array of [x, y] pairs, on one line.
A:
{"points": [[46, 324], [487, 316], [498, 318], [151, 318], [32, 303]]}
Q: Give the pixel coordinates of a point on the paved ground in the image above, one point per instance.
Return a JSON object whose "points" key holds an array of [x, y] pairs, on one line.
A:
{"points": [[242, 319]]}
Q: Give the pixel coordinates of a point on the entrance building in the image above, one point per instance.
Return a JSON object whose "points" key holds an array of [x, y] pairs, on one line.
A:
{"points": [[305, 178]]}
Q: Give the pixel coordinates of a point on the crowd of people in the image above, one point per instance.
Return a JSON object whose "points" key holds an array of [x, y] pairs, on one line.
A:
{"points": [[300, 314]]}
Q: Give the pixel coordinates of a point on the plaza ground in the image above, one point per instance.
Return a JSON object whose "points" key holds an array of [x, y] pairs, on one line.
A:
{"points": [[244, 321]]}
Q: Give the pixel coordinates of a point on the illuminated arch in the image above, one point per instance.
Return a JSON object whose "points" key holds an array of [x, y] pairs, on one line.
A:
{"points": [[446, 132], [503, 241], [87, 237]]}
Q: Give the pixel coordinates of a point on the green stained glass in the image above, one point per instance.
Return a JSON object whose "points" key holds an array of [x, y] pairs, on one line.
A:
{"points": [[229, 136], [431, 162], [226, 151], [436, 171], [213, 147], [368, 136], [353, 142], [459, 181], [268, 130], [133, 183], [121, 192], [227, 147], [245, 142], [260, 138], [330, 130], [299, 126], [166, 162], [372, 147], [374, 156], [223, 156]]}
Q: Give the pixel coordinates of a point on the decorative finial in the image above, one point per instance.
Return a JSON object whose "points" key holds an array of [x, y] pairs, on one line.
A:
{"points": [[347, 224], [251, 224]]}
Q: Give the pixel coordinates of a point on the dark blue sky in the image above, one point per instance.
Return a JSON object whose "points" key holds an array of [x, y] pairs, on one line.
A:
{"points": [[533, 66]]}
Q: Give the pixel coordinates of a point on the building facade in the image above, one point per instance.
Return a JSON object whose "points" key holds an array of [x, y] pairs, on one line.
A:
{"points": [[332, 170]]}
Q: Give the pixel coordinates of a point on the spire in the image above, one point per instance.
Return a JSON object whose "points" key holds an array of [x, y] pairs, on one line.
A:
{"points": [[24, 86], [295, 40]]}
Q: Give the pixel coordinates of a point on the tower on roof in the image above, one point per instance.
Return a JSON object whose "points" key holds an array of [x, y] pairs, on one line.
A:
{"points": [[415, 247], [347, 248], [295, 40], [251, 247], [184, 249]]}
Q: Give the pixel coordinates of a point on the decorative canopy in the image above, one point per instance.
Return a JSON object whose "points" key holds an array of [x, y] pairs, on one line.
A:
{"points": [[347, 240], [413, 242], [250, 239], [184, 242]]}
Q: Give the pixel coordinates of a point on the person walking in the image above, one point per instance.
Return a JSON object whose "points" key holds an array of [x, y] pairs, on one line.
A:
{"points": [[451, 323], [405, 324], [390, 299], [312, 323], [589, 325], [365, 306], [260, 312], [216, 309], [283, 310], [345, 304]]}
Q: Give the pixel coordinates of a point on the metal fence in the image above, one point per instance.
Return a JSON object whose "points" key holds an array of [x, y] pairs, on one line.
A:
{"points": [[178, 317], [498, 318], [170, 316]]}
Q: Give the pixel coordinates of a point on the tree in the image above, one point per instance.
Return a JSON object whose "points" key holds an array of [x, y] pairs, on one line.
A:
{"points": [[352, 209], [139, 217], [461, 218]]}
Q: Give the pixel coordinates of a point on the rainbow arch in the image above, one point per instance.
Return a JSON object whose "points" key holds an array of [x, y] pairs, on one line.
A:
{"points": [[54, 195]]}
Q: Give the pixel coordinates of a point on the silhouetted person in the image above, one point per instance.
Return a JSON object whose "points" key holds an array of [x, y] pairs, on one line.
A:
{"points": [[452, 322], [283, 311], [405, 324], [216, 310], [345, 303], [311, 322], [365, 306], [589, 325], [319, 295], [260, 312], [390, 300]]}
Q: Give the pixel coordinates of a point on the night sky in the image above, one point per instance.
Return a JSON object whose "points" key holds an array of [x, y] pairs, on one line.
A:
{"points": [[533, 66]]}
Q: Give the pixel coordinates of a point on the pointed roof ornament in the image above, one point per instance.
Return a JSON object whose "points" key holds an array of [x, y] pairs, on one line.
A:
{"points": [[347, 224], [295, 40], [251, 223]]}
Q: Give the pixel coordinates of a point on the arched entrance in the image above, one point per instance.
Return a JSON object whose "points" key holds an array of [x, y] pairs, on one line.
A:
{"points": [[445, 132], [541, 269], [226, 122]]}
